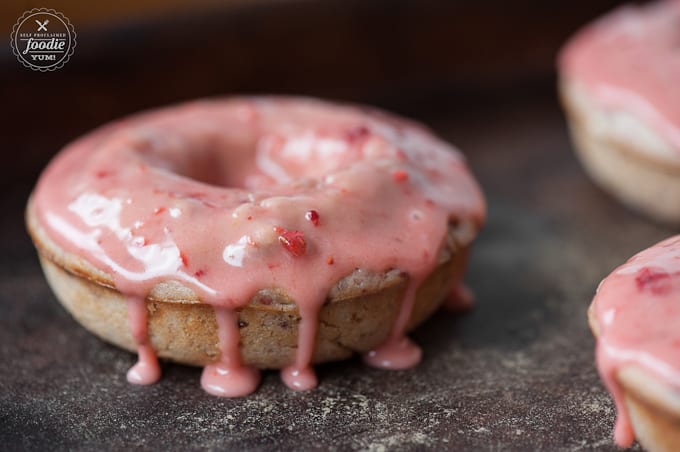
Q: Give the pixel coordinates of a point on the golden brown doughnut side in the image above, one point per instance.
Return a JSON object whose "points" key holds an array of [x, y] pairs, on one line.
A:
{"points": [[640, 180], [358, 316], [653, 406]]}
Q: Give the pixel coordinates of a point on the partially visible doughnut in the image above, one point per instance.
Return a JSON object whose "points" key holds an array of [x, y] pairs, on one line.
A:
{"points": [[635, 317], [618, 84]]}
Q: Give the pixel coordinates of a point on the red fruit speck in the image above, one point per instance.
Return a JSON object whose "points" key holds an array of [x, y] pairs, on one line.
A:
{"points": [[655, 281], [158, 210], [102, 174], [313, 216], [292, 241], [250, 217], [400, 176], [330, 260], [184, 259], [199, 273], [265, 300], [357, 133]]}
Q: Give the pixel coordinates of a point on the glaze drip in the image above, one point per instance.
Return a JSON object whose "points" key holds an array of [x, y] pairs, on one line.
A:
{"points": [[398, 351], [228, 377], [300, 376], [146, 370], [229, 197]]}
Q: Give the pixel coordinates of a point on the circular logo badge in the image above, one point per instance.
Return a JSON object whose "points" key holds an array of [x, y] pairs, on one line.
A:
{"points": [[43, 39]]}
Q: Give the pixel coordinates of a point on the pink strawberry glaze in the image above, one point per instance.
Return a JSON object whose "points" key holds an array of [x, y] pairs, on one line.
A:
{"points": [[217, 194], [147, 370], [461, 298], [398, 351], [228, 377], [637, 310], [299, 375], [630, 60]]}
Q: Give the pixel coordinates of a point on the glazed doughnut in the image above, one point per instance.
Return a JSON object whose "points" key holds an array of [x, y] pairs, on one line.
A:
{"points": [[635, 316], [619, 86], [256, 233]]}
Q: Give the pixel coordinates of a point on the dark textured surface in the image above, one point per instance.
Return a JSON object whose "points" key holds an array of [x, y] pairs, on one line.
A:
{"points": [[516, 373], [393, 53]]}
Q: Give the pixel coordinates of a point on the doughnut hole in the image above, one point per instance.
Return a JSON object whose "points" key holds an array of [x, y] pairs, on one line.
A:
{"points": [[247, 159], [217, 159]]}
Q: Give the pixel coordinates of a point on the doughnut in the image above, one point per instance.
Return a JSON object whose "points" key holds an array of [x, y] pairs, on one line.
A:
{"points": [[257, 233], [619, 87], [635, 317]]}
